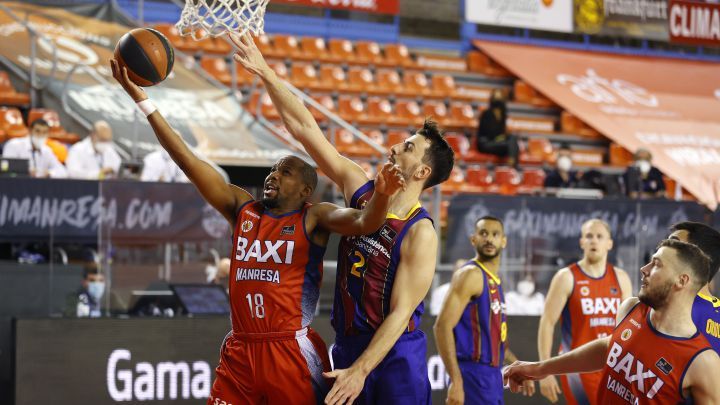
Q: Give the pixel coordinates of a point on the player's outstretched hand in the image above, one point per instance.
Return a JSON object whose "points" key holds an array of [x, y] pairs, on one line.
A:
{"points": [[248, 54], [550, 389], [456, 394], [132, 89], [348, 385], [389, 180], [516, 375]]}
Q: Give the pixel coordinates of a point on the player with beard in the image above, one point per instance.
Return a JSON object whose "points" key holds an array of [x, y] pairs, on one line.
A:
{"points": [[587, 295], [271, 355], [655, 355], [471, 329], [706, 309]]}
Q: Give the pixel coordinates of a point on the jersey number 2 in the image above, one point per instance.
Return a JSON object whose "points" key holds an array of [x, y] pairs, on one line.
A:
{"points": [[358, 265], [259, 311]]}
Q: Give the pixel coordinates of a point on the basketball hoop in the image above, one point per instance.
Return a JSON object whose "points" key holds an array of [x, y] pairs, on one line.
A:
{"points": [[218, 17]]}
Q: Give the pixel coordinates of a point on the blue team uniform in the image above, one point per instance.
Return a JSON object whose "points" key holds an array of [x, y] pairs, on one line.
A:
{"points": [[480, 342], [706, 316], [365, 278]]}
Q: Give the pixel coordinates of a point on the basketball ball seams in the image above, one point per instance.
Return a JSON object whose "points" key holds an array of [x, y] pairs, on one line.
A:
{"points": [[138, 61], [150, 44], [170, 57]]}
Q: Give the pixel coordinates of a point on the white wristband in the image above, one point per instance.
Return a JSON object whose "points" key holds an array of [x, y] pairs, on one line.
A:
{"points": [[146, 107]]}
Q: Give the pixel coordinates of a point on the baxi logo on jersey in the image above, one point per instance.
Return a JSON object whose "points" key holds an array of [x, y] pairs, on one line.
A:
{"points": [[279, 251], [635, 373], [600, 306]]}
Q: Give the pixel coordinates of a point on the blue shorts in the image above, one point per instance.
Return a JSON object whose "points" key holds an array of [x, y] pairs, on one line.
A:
{"points": [[400, 378], [482, 383]]}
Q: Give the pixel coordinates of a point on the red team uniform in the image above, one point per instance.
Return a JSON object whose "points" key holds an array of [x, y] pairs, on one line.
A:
{"points": [[589, 314], [645, 366], [271, 356]]}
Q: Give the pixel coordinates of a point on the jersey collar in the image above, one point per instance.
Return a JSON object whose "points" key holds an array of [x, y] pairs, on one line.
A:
{"points": [[495, 278], [409, 214], [709, 298]]}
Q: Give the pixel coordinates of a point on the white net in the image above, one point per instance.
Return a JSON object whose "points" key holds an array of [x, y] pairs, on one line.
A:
{"points": [[217, 17]]}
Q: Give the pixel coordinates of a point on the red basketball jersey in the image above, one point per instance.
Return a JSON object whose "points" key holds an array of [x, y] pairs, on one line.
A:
{"points": [[645, 366], [275, 271], [589, 314]]}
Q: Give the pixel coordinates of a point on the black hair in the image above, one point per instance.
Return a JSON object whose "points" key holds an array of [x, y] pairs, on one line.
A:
{"points": [[704, 237], [491, 218], [90, 269], [439, 155], [694, 258], [40, 122]]}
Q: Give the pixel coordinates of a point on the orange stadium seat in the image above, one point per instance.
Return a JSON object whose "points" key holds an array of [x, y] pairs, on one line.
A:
{"points": [[387, 82], [368, 53], [541, 149], [213, 45], [416, 84], [480, 63], [360, 80], [443, 86], [183, 44], [341, 51], [455, 183], [8, 94], [57, 131], [571, 124], [11, 123], [347, 144], [507, 179], [266, 47], [524, 93], [314, 48], [379, 111], [458, 143], [264, 102], [333, 78], [280, 69], [397, 55], [478, 176], [217, 68], [304, 76], [286, 46], [326, 101], [396, 137], [620, 156], [407, 113], [436, 110], [462, 115], [533, 180], [351, 108]]}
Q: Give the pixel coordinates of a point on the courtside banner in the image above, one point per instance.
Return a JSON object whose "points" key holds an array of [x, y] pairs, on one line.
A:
{"points": [[368, 6], [124, 211], [668, 106], [548, 15], [694, 23], [622, 18], [72, 60]]}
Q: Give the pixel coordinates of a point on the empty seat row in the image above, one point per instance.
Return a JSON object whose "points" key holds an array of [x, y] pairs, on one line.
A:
{"points": [[12, 124], [9, 95]]}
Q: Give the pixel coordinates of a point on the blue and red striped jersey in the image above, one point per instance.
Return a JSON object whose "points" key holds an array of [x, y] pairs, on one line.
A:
{"points": [[706, 316]]}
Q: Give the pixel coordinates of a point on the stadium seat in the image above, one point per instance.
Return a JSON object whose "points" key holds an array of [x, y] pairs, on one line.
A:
{"points": [[280, 70], [182, 44], [438, 111], [11, 123], [533, 180], [480, 63], [440, 63], [8, 94], [462, 116], [333, 78], [341, 51], [360, 80], [379, 111], [396, 137], [387, 82], [266, 47], [571, 124], [326, 101], [407, 113], [524, 93], [415, 84], [213, 45], [304, 76], [217, 68], [57, 131], [286, 46], [314, 48], [397, 55], [507, 179], [368, 53], [620, 156], [348, 145], [351, 108], [443, 86], [478, 176], [540, 148], [455, 183], [458, 143]]}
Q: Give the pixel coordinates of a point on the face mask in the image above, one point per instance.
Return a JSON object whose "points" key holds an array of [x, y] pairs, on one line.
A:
{"points": [[526, 287], [101, 147], [564, 163], [96, 289], [644, 166], [39, 141]]}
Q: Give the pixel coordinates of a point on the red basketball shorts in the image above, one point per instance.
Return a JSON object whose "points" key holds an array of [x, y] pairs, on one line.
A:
{"points": [[271, 368]]}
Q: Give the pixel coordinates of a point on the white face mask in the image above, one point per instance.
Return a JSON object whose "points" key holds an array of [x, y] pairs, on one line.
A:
{"points": [[644, 166], [96, 289], [564, 163], [101, 147], [526, 287], [38, 141]]}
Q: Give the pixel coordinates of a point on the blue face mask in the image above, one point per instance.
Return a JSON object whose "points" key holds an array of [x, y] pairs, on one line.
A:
{"points": [[96, 289]]}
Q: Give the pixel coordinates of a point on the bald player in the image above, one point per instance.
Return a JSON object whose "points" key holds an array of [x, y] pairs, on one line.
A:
{"points": [[587, 295]]}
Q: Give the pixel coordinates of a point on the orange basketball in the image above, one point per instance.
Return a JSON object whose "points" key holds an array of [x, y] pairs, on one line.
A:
{"points": [[147, 54]]}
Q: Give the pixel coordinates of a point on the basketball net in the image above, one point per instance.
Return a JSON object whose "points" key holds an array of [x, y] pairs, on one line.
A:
{"points": [[217, 17]]}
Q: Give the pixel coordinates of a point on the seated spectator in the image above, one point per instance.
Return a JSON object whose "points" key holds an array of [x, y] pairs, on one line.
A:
{"points": [[94, 157], [642, 179], [158, 166], [85, 303], [492, 136], [524, 300], [563, 176], [43, 162]]}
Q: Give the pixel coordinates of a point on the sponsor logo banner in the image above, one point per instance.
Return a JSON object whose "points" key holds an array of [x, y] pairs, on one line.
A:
{"points": [[368, 6], [549, 15], [694, 23], [625, 18]]}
